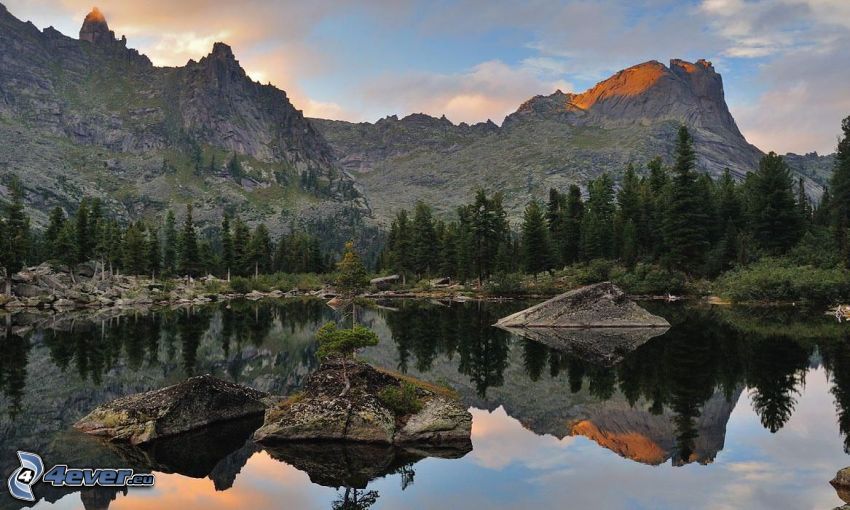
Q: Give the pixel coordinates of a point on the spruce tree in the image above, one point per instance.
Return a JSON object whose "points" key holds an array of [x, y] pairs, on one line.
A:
{"points": [[54, 226], [574, 214], [424, 240], [241, 240], [535, 239], [154, 252], [226, 246], [135, 249], [597, 227], [400, 244], [84, 240], [685, 222], [16, 234], [839, 187], [169, 252], [260, 250], [804, 205], [189, 254], [774, 216], [556, 218], [66, 246]]}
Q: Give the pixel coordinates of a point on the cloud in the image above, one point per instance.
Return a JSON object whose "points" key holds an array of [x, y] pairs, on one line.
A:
{"points": [[489, 90], [360, 61]]}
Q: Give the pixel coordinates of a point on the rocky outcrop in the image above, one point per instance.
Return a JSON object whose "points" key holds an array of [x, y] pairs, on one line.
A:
{"points": [[137, 127], [192, 404], [321, 412], [95, 29], [841, 483], [601, 305]]}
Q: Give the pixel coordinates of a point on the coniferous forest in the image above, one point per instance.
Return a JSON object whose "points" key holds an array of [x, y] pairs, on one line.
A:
{"points": [[659, 229]]}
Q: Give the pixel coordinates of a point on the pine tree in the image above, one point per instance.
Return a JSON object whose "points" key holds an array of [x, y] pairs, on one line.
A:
{"points": [[535, 239], [189, 254], [226, 246], [66, 245], [556, 218], [235, 168], [260, 250], [424, 240], [241, 240], [629, 212], [84, 241], [15, 234], [774, 216], [281, 255], [154, 252], [169, 252], [839, 186], [574, 214], [400, 244], [685, 223], [352, 273], [597, 228], [54, 226], [135, 249]]}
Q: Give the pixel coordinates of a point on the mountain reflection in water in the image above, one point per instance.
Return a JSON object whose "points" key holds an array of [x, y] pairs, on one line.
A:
{"points": [[668, 398]]}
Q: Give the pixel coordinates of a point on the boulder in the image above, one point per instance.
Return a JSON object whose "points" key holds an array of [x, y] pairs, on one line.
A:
{"points": [[602, 305], [194, 403], [385, 282], [841, 483], [360, 416]]}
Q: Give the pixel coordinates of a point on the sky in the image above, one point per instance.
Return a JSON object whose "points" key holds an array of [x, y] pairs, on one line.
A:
{"points": [[785, 63]]}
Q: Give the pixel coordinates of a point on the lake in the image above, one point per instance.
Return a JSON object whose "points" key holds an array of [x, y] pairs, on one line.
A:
{"points": [[730, 408]]}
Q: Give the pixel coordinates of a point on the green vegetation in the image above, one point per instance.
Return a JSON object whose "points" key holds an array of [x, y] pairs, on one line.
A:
{"points": [[401, 400], [343, 342], [772, 279], [659, 230]]}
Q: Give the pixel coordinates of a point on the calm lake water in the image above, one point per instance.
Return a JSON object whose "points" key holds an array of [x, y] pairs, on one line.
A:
{"points": [[729, 408]]}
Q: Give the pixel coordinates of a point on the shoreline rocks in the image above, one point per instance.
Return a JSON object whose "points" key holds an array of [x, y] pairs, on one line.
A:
{"points": [[197, 402], [320, 413]]}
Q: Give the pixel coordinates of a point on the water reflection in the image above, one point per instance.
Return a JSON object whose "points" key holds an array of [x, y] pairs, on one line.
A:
{"points": [[664, 399]]}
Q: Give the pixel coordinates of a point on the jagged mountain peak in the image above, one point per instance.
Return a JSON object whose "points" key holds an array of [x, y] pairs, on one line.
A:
{"points": [[95, 29]]}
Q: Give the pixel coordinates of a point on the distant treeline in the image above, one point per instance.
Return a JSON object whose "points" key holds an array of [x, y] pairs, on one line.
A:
{"points": [[676, 217], [157, 249]]}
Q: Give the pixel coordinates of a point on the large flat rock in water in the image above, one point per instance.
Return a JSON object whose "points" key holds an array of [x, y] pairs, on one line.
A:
{"points": [[194, 403], [602, 305]]}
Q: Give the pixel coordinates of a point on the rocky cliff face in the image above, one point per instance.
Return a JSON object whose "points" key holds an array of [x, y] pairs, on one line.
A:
{"points": [[91, 117], [553, 140]]}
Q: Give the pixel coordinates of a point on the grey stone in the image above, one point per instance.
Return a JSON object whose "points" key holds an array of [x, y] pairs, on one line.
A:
{"points": [[194, 403]]}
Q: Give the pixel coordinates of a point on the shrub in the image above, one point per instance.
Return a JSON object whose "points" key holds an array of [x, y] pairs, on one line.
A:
{"points": [[240, 285], [401, 400], [504, 284], [650, 279], [773, 279]]}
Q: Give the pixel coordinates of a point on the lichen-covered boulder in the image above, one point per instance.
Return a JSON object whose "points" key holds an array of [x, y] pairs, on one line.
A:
{"points": [[602, 305], [194, 403], [323, 413]]}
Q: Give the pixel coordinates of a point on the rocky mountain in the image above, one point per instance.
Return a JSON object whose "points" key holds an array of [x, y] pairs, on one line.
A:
{"points": [[92, 117], [550, 141]]}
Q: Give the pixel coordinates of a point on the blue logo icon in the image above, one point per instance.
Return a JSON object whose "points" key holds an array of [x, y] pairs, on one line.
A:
{"points": [[22, 480]]}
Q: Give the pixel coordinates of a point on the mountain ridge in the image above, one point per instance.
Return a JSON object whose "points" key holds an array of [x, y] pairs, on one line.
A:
{"points": [[92, 117], [550, 141]]}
